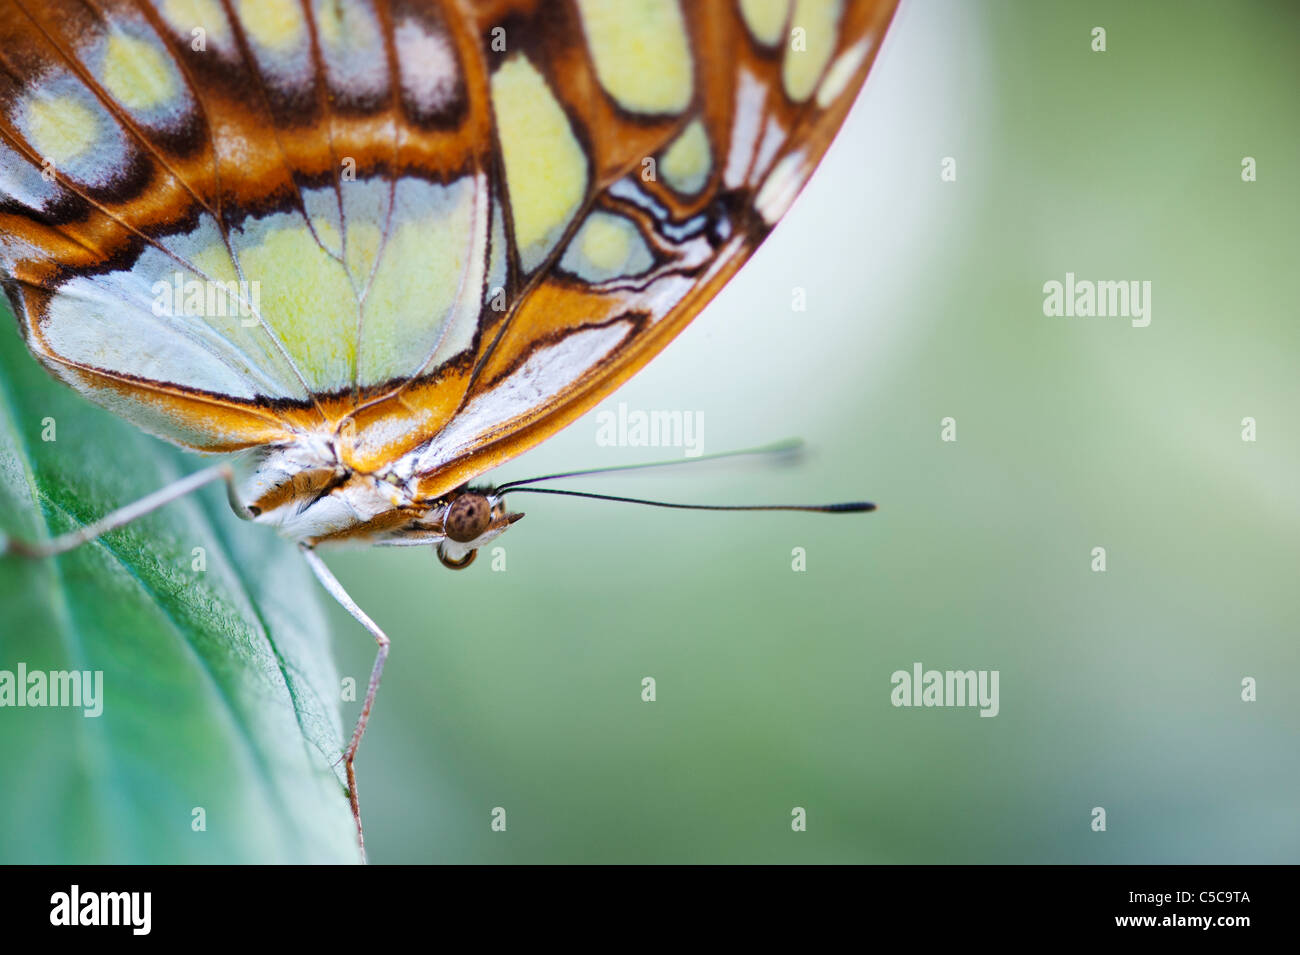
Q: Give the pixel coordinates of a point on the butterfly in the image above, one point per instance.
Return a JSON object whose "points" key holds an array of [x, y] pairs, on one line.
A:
{"points": [[372, 249]]}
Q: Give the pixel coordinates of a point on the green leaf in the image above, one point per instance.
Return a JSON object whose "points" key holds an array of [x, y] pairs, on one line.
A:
{"points": [[219, 692]]}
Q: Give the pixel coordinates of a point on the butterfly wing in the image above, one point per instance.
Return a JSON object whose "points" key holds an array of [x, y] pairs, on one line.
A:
{"points": [[700, 124], [234, 223], [436, 231]]}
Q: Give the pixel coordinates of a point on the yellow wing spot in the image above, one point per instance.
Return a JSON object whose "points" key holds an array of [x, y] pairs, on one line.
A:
{"points": [[275, 24], [327, 232], [416, 290], [810, 51], [546, 168], [686, 163], [607, 247], [329, 21], [215, 263], [308, 301], [605, 241], [765, 19], [60, 128], [364, 240], [641, 52], [137, 73], [187, 15]]}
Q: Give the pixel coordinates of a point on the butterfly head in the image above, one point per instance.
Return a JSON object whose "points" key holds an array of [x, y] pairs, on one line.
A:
{"points": [[470, 518]]}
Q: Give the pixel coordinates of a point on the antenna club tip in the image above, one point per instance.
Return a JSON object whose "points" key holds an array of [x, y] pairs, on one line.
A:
{"points": [[853, 507]]}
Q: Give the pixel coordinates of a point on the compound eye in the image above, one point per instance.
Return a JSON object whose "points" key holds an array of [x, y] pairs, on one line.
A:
{"points": [[467, 518]]}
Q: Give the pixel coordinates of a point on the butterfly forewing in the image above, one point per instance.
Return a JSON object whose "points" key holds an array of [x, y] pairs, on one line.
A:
{"points": [[435, 232]]}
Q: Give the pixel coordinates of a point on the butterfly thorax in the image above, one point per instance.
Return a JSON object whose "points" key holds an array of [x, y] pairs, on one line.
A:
{"points": [[310, 492]]}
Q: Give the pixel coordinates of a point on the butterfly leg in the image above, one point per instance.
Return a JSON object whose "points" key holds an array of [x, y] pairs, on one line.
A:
{"points": [[123, 515], [335, 589]]}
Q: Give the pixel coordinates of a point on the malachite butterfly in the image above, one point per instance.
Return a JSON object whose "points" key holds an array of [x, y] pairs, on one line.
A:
{"points": [[379, 247]]}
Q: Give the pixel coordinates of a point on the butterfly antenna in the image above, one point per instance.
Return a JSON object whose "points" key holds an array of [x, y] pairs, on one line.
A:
{"points": [[788, 447], [848, 507]]}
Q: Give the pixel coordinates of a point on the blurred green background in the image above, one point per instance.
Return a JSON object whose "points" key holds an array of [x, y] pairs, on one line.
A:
{"points": [[521, 688]]}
